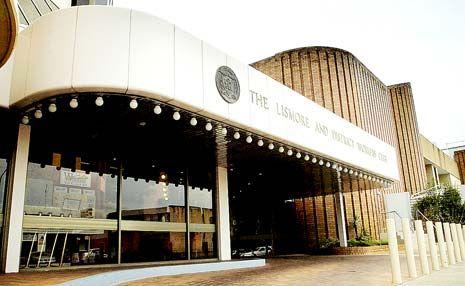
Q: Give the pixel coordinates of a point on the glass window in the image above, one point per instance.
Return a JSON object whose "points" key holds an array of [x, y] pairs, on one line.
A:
{"points": [[154, 227], [203, 245], [202, 217], [148, 200], [87, 172], [67, 248], [62, 192], [70, 216], [145, 246]]}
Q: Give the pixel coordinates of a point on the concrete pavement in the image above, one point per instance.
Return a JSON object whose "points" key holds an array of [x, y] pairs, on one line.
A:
{"points": [[452, 276]]}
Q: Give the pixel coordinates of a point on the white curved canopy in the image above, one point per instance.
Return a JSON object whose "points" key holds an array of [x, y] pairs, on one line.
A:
{"points": [[107, 49]]}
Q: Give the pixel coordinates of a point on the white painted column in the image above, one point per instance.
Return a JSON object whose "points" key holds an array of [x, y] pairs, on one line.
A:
{"points": [[441, 244], [222, 199], [15, 201], [450, 245], [432, 245], [422, 247], [393, 251], [341, 226], [412, 269], [461, 241], [463, 231], [455, 240]]}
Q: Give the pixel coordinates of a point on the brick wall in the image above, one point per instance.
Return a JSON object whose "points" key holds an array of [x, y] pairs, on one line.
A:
{"points": [[459, 157], [412, 165], [339, 82]]}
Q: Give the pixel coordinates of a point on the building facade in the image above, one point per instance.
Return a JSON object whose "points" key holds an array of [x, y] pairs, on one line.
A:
{"points": [[129, 140], [339, 82]]}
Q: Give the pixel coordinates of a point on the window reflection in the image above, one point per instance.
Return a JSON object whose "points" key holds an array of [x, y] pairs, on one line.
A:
{"points": [[201, 205], [152, 201], [67, 248], [202, 244], [141, 246], [62, 192]]}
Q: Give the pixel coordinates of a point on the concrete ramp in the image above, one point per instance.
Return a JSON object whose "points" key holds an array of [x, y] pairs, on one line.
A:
{"points": [[124, 276]]}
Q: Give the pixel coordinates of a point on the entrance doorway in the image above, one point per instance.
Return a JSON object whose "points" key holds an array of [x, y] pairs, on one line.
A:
{"points": [[267, 209]]}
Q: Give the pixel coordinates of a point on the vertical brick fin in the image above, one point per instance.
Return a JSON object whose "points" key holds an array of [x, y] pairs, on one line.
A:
{"points": [[459, 157], [408, 138]]}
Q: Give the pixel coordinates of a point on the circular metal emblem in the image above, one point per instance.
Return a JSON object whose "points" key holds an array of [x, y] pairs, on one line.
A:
{"points": [[227, 84]]}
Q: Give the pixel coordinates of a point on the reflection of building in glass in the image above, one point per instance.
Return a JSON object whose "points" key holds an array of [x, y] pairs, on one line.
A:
{"points": [[55, 192]]}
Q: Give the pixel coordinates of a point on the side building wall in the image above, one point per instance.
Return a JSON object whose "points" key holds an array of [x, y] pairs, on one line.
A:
{"points": [[412, 164], [338, 81], [459, 157]]}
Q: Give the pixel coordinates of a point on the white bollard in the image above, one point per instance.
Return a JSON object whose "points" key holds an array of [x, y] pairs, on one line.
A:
{"points": [[461, 241], [463, 228], [422, 247], [412, 269], [393, 251], [450, 245], [441, 244], [455, 240], [432, 245]]}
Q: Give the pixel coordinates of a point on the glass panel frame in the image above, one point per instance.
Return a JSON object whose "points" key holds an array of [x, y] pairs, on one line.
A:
{"points": [[190, 226]]}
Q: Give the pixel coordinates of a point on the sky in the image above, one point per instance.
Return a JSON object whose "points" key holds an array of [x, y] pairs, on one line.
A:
{"points": [[421, 42]]}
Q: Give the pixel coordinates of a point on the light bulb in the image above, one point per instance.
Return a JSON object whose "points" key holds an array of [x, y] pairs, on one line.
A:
{"points": [[176, 115], [157, 109], [351, 171], [73, 103], [237, 135], [208, 126], [99, 101], [25, 119], [38, 114], [248, 139], [271, 146], [193, 121], [260, 142], [345, 170], [133, 104], [298, 155], [306, 158], [52, 108], [289, 152], [334, 166], [314, 160], [328, 164], [281, 149], [321, 163], [224, 131]]}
